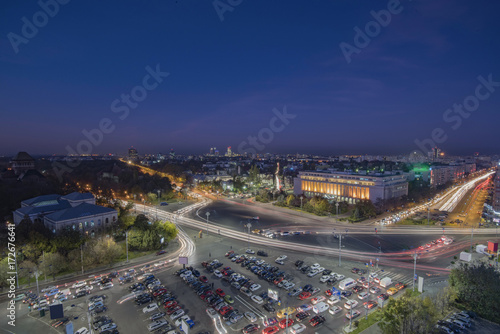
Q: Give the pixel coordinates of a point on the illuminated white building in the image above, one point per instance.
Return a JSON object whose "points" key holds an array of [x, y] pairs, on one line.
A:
{"points": [[350, 187]]}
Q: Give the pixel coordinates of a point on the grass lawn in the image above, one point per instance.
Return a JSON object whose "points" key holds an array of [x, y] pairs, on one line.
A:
{"points": [[364, 324], [416, 222], [131, 254]]}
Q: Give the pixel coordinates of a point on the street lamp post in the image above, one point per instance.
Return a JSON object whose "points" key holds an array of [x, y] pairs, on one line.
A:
{"points": [[428, 213], [126, 243], [249, 225], [471, 237], [158, 191], [208, 214], [301, 198], [337, 207], [81, 255], [415, 255]]}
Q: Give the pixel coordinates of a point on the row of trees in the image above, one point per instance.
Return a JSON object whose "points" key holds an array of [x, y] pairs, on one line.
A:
{"points": [[41, 251]]}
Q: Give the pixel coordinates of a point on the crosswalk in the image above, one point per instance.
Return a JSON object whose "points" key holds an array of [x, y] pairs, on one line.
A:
{"points": [[395, 277]]}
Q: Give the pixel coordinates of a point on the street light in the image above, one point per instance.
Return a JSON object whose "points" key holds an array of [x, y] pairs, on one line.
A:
{"points": [[301, 198], [126, 242], [249, 225], [340, 245], [208, 214], [337, 207], [415, 256]]}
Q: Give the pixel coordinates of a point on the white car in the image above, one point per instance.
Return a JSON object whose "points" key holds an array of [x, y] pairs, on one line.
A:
{"points": [[333, 300], [177, 314], [217, 274], [108, 285], [340, 277], [298, 328], [320, 269], [315, 266], [246, 291], [318, 300], [255, 287], [335, 309], [151, 307], [350, 303], [107, 327], [82, 330], [250, 316], [212, 313], [282, 257], [363, 295], [257, 299], [79, 284], [324, 278], [288, 286], [157, 324], [313, 273], [250, 251]]}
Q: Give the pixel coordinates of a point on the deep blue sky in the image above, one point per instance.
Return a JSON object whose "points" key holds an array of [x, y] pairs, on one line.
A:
{"points": [[227, 76]]}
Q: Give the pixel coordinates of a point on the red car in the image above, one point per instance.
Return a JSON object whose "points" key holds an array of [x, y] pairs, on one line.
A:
{"points": [[220, 292], [304, 295], [225, 310], [370, 304], [159, 292], [206, 294], [173, 309], [270, 330], [284, 324], [160, 252], [229, 253], [170, 304], [278, 280], [204, 279]]}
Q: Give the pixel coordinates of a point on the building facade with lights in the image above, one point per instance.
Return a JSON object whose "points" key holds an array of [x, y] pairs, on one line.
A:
{"points": [[442, 174], [350, 187]]}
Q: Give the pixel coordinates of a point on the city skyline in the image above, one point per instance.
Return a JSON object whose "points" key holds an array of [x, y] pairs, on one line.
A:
{"points": [[360, 78]]}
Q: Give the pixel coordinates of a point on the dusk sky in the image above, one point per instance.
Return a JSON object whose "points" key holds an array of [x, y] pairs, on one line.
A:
{"points": [[226, 76]]}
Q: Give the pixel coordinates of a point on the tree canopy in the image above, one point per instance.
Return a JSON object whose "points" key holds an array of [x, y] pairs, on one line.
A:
{"points": [[476, 287]]}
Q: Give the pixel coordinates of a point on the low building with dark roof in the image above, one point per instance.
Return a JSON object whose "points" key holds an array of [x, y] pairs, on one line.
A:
{"points": [[75, 210], [86, 218]]}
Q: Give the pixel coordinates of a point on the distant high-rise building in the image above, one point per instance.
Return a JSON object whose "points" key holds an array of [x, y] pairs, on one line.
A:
{"points": [[212, 151], [132, 153], [229, 152], [172, 153], [435, 154]]}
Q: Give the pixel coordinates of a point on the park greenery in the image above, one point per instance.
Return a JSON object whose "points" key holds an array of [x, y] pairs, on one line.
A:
{"points": [[39, 250], [475, 287]]}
